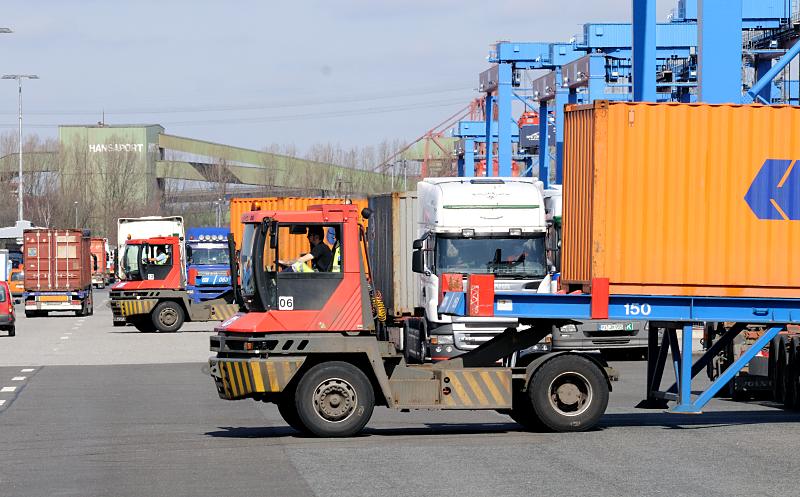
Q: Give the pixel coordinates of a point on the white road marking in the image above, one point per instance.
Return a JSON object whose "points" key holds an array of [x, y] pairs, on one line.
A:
{"points": [[18, 378], [27, 370], [65, 338], [2, 402], [68, 333], [8, 389]]}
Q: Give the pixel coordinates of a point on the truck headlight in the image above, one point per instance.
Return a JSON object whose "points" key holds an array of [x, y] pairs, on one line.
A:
{"points": [[569, 328], [441, 339]]}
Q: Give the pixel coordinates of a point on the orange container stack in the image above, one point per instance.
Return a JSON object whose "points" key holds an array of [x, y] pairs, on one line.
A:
{"points": [[682, 199], [298, 243]]}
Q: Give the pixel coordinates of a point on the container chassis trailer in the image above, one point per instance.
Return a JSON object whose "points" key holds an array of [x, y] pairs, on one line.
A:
{"points": [[563, 391]]}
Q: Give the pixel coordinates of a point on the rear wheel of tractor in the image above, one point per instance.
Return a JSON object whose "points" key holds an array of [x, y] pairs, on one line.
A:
{"points": [[30, 314], [288, 411], [144, 324], [523, 414], [12, 331], [569, 393], [334, 399], [167, 316], [119, 323]]}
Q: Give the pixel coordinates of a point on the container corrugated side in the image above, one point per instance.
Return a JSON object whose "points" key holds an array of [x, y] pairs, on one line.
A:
{"points": [[296, 244], [392, 231], [667, 213], [56, 260]]}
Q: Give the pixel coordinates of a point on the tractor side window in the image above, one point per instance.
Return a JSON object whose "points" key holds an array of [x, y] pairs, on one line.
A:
{"points": [[159, 254], [309, 248]]}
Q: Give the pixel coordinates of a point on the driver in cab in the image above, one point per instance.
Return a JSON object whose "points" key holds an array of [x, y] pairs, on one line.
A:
{"points": [[320, 255], [161, 257]]}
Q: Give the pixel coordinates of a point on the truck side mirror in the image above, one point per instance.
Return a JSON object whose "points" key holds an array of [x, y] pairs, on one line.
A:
{"points": [[417, 245], [417, 260], [188, 254]]}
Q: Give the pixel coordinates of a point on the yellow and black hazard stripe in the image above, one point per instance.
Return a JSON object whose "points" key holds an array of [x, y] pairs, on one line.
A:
{"points": [[241, 378], [476, 388], [132, 307], [223, 312]]}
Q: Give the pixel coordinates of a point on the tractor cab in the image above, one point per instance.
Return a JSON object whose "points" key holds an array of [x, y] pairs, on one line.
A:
{"points": [[293, 281], [156, 263]]}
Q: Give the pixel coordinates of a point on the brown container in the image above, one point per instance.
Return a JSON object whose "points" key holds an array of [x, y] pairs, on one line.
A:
{"points": [[57, 260], [657, 198], [297, 244]]}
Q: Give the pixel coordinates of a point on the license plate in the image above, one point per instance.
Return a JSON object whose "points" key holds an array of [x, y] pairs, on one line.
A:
{"points": [[53, 298], [611, 327]]}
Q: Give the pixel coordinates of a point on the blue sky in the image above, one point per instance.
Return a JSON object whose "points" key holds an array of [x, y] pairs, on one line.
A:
{"points": [[251, 73]]}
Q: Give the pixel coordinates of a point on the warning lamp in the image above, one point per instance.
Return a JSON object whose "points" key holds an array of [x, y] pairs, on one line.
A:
{"points": [[129, 236]]}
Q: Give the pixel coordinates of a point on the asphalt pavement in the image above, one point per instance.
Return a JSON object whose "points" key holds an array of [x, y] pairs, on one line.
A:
{"points": [[87, 409]]}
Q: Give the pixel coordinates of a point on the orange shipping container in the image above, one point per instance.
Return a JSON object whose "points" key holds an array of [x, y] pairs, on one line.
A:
{"points": [[682, 199], [298, 243]]}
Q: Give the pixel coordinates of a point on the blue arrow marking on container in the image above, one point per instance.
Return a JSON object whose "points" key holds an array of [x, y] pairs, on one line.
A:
{"points": [[775, 191]]}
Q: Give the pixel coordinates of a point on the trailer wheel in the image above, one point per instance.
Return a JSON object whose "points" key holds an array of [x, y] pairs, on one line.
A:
{"points": [[569, 393], [792, 375], [288, 411], [168, 316], [778, 392], [334, 399], [772, 364]]}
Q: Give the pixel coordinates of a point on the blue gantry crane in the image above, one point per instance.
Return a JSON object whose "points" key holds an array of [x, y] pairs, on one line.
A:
{"points": [[602, 64]]}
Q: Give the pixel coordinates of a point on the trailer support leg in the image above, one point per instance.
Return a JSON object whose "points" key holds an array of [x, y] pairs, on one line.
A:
{"points": [[686, 406]]}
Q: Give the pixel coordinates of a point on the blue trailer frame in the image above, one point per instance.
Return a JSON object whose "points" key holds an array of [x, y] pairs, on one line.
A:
{"points": [[670, 313]]}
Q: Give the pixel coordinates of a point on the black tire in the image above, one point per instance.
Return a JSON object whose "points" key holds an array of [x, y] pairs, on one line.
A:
{"points": [[523, 414], [422, 348], [793, 385], [119, 323], [288, 411], [31, 314], [569, 393], [778, 392], [772, 362], [12, 331], [167, 316], [334, 399], [144, 325]]}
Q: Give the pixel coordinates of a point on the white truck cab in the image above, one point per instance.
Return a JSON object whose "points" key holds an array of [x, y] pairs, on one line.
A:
{"points": [[474, 226]]}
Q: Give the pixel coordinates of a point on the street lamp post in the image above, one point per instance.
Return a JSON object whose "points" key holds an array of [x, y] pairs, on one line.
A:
{"points": [[19, 78]]}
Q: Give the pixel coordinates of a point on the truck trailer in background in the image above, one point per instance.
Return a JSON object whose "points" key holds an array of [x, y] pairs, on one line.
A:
{"points": [[58, 272], [101, 268], [208, 271]]}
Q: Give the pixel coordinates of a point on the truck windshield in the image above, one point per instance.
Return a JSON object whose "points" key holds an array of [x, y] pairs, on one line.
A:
{"points": [[17, 276], [130, 262], [508, 257], [207, 256]]}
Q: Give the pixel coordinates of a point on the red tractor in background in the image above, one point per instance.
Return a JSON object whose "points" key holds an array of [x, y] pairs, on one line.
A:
{"points": [[153, 295]]}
